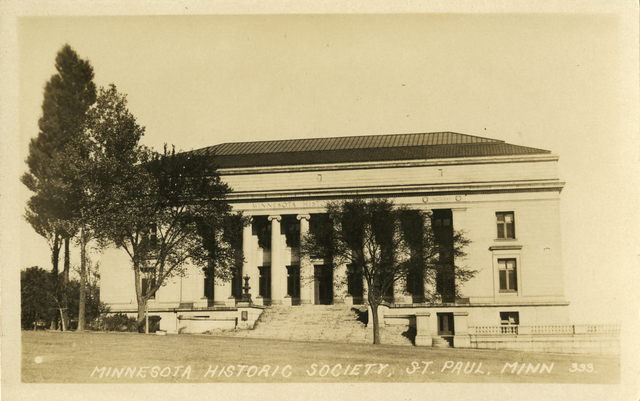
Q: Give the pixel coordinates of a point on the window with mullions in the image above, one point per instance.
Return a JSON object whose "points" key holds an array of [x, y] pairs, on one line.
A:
{"points": [[508, 275], [506, 225]]}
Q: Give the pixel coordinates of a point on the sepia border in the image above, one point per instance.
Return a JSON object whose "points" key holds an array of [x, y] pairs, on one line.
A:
{"points": [[10, 212]]}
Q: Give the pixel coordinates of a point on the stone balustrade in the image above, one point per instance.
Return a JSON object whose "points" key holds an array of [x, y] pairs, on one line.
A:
{"points": [[544, 330]]}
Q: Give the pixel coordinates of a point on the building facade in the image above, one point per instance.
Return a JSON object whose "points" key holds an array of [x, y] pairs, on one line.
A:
{"points": [[506, 198]]}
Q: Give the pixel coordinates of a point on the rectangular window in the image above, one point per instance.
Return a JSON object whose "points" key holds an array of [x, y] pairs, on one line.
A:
{"points": [[147, 283], [261, 228], [506, 225], [293, 281], [291, 230], [508, 275], [509, 318], [354, 282], [265, 281]]}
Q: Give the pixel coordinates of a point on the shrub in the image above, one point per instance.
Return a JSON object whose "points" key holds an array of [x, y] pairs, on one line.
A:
{"points": [[117, 322]]}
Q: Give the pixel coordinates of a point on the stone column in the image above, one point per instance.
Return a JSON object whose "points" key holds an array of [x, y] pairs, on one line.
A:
{"points": [[339, 281], [423, 332], [459, 222], [249, 267], [461, 337], [277, 270], [429, 276], [306, 269]]}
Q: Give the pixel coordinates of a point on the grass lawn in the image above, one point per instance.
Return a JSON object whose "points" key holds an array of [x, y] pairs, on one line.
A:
{"points": [[55, 357]]}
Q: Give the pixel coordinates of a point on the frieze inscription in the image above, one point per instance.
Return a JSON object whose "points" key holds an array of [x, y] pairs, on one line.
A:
{"points": [[447, 198], [292, 204]]}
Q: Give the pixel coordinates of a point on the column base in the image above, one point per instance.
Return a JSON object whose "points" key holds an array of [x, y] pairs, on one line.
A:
{"points": [[305, 302], [337, 301], [276, 302], [348, 300], [231, 302], [219, 303]]}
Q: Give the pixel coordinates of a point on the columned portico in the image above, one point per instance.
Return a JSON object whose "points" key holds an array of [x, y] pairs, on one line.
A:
{"points": [[306, 269], [277, 267]]}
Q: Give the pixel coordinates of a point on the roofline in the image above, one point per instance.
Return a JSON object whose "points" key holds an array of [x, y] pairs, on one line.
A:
{"points": [[492, 140]]}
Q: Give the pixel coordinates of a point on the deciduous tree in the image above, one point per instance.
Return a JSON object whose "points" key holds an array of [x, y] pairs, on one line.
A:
{"points": [[170, 211], [386, 244]]}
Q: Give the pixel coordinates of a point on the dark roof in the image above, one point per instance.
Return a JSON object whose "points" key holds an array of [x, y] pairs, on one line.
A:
{"points": [[435, 145]]}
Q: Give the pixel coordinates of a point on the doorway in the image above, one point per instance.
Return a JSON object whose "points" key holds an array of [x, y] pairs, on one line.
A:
{"points": [[445, 327], [323, 284]]}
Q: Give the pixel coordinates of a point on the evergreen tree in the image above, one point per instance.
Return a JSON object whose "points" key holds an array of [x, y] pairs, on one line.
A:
{"points": [[54, 208]]}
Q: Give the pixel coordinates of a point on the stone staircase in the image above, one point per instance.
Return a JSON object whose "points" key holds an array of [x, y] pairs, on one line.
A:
{"points": [[439, 342], [335, 323]]}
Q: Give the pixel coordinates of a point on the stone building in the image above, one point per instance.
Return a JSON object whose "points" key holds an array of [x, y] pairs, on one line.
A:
{"points": [[505, 197]]}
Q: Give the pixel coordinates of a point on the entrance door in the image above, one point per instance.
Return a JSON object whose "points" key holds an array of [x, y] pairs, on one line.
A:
{"points": [[323, 284], [445, 327], [445, 324]]}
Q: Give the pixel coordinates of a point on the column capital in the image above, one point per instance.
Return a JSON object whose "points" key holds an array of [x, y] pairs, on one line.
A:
{"points": [[303, 216], [274, 217]]}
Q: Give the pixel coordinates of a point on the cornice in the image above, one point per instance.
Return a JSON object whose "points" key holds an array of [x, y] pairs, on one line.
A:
{"points": [[398, 190], [390, 164]]}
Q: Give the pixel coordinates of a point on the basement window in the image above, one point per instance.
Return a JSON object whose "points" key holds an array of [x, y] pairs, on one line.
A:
{"points": [[509, 318]]}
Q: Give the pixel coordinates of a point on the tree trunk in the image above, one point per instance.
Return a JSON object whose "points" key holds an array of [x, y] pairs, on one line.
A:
{"points": [[65, 283], [55, 259], [142, 306], [62, 320], [83, 280], [373, 304], [142, 300]]}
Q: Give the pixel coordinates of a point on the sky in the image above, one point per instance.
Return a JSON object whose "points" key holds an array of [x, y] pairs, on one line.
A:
{"points": [[551, 81]]}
